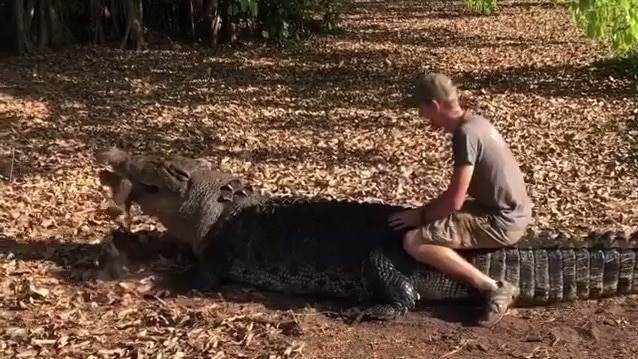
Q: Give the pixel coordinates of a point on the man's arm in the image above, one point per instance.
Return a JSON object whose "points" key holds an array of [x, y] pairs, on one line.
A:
{"points": [[465, 149], [453, 197]]}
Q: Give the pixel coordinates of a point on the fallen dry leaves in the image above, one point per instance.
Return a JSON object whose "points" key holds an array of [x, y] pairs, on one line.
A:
{"points": [[325, 120], [133, 331]]}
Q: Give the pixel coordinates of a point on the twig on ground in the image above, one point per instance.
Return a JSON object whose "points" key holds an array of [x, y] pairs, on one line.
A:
{"points": [[458, 348]]}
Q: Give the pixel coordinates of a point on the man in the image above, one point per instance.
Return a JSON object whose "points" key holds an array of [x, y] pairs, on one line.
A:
{"points": [[485, 169]]}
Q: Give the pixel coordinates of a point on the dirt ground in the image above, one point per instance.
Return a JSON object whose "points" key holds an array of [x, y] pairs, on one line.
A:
{"points": [[323, 120]]}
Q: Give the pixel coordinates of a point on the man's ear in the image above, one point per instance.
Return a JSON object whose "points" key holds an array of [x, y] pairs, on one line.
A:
{"points": [[436, 105]]}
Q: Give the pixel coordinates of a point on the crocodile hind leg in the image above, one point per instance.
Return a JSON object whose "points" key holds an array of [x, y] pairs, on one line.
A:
{"points": [[395, 291]]}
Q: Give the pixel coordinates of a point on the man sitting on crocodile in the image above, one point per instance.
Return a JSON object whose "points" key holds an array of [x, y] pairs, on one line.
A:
{"points": [[485, 168]]}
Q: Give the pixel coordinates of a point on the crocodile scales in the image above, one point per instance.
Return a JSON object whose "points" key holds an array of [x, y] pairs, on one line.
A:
{"points": [[345, 249]]}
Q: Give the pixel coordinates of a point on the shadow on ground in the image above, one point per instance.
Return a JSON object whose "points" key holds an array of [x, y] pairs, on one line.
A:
{"points": [[435, 10], [632, 141], [149, 253], [435, 37], [604, 80], [624, 70]]}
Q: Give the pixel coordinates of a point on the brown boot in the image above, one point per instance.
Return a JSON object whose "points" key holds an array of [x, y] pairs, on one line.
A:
{"points": [[497, 303]]}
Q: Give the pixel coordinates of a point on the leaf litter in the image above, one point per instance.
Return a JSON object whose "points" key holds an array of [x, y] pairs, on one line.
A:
{"points": [[324, 121]]}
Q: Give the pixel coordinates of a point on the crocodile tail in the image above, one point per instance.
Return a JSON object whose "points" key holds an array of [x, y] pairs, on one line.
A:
{"points": [[600, 265]]}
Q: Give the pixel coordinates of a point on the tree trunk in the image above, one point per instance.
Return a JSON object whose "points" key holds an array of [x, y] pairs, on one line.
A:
{"points": [[58, 31], [208, 22], [227, 29], [134, 34], [138, 26], [97, 21], [22, 44], [187, 21], [43, 25], [118, 16]]}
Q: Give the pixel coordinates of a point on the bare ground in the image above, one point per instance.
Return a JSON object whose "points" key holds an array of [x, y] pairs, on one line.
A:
{"points": [[325, 120]]}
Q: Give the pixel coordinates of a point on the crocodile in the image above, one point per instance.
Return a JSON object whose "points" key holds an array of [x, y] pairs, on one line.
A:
{"points": [[345, 249]]}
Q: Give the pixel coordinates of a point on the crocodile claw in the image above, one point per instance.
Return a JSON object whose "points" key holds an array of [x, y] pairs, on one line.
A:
{"points": [[353, 315], [184, 281]]}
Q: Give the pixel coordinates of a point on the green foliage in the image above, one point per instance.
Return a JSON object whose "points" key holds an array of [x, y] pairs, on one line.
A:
{"points": [[285, 22], [288, 21], [331, 14], [613, 20], [247, 8], [484, 7], [281, 20]]}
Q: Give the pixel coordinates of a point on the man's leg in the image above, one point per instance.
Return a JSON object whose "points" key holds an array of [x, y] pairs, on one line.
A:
{"points": [[434, 244], [447, 260]]}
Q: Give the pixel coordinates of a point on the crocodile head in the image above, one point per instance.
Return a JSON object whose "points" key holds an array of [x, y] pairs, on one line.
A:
{"points": [[171, 173], [184, 194]]}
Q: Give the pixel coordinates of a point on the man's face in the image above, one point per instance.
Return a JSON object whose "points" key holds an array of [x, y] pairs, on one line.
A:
{"points": [[431, 112]]}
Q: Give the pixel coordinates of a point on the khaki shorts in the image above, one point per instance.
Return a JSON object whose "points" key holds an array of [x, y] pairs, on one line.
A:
{"points": [[467, 228]]}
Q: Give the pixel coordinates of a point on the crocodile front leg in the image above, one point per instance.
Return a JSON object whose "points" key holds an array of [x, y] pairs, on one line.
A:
{"points": [[200, 277], [210, 271], [396, 292]]}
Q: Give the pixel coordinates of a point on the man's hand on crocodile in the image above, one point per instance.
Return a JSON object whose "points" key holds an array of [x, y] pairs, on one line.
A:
{"points": [[405, 219]]}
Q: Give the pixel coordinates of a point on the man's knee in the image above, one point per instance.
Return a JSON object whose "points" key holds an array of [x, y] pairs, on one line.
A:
{"points": [[410, 241], [415, 239], [511, 237]]}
